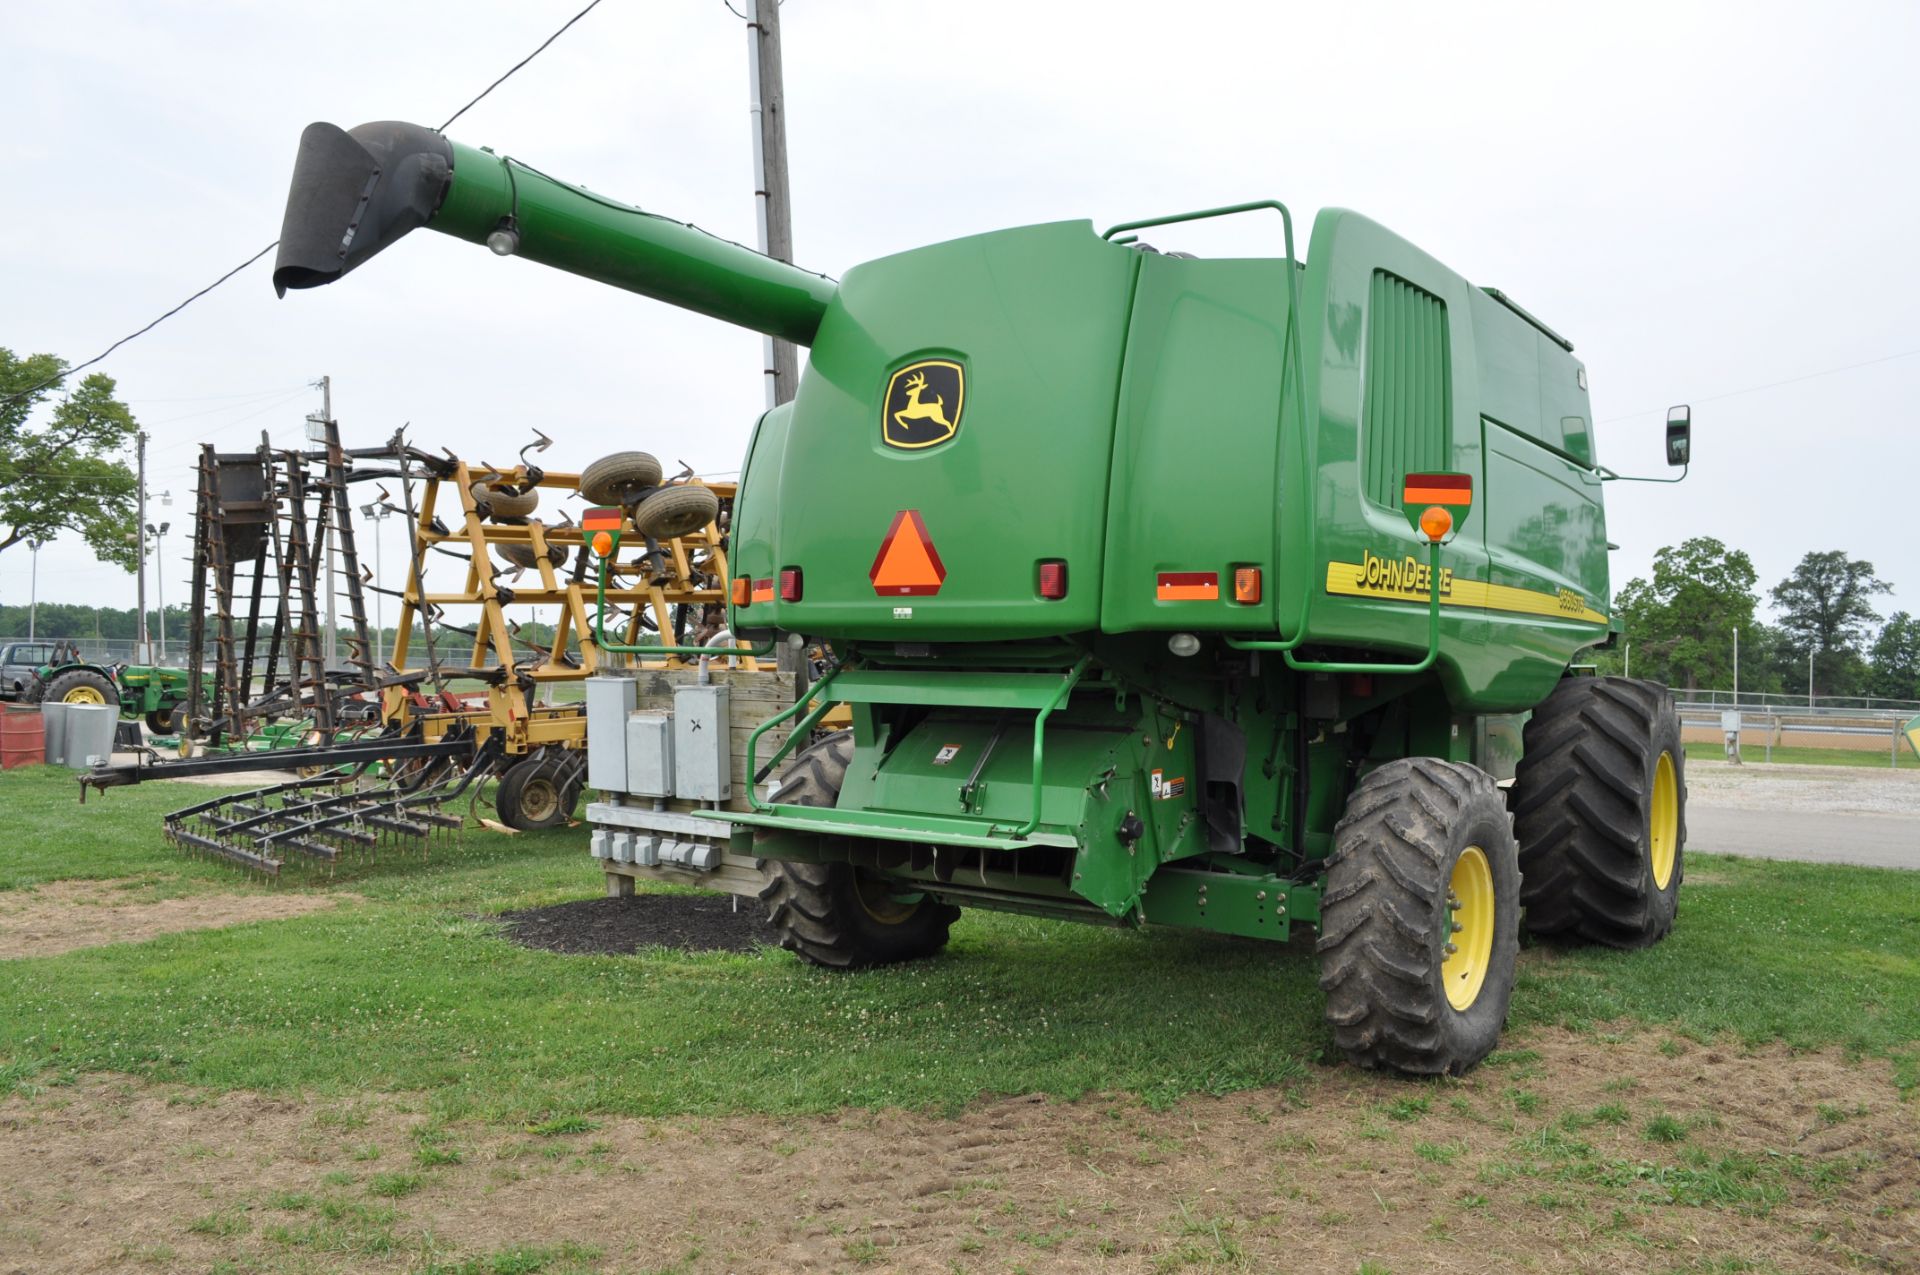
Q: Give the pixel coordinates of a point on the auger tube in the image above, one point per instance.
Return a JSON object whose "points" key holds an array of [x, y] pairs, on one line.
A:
{"points": [[356, 191]]}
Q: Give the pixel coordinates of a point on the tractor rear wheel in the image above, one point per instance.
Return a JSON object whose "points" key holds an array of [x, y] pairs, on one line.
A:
{"points": [[1420, 922], [676, 511], [81, 686], [834, 914], [160, 721], [619, 479], [1600, 808]]}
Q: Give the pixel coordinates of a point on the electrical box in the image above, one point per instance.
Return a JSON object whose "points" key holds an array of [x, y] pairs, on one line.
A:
{"points": [[650, 754], [609, 702], [702, 744]]}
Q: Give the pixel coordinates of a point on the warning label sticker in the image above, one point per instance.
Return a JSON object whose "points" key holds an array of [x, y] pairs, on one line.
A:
{"points": [[1165, 789], [946, 754]]}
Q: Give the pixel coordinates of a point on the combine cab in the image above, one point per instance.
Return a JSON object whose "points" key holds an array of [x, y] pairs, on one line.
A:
{"points": [[1211, 594]]}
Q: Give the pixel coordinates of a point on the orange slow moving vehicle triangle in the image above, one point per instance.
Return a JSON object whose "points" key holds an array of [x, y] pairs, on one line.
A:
{"points": [[907, 565]]}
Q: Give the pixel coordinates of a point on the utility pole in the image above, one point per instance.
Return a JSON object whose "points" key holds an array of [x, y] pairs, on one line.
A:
{"points": [[768, 105], [141, 654], [160, 583], [1736, 667], [317, 433], [1811, 648], [33, 590], [377, 513]]}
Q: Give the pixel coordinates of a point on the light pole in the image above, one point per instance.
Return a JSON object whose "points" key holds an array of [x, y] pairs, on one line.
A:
{"points": [[1810, 650], [1736, 667], [159, 535], [377, 513], [33, 589]]}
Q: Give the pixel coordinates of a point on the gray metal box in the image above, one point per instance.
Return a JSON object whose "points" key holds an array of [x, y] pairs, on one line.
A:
{"points": [[609, 701], [650, 754], [702, 743]]}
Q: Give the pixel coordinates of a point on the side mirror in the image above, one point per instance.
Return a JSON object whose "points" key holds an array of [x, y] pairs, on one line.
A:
{"points": [[1679, 435]]}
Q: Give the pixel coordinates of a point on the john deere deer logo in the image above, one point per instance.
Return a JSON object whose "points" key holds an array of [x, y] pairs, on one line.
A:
{"points": [[923, 404]]}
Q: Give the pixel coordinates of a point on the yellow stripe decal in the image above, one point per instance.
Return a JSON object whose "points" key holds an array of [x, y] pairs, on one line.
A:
{"points": [[1405, 580]]}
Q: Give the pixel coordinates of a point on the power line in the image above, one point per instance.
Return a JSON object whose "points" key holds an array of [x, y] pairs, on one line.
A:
{"points": [[55, 380], [1771, 385], [11, 399], [522, 62]]}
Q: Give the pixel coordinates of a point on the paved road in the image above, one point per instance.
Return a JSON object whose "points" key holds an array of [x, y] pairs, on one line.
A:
{"points": [[1879, 840]]}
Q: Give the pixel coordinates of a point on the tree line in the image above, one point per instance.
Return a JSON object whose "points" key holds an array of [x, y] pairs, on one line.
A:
{"points": [[1679, 625]]}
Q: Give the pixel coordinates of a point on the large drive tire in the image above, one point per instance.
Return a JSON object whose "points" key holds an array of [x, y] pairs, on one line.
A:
{"points": [[676, 511], [502, 505], [619, 479], [834, 914], [81, 686], [1600, 809], [531, 797], [160, 721], [1420, 922]]}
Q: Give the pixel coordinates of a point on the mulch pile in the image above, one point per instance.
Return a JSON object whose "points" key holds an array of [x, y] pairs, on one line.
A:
{"points": [[692, 922]]}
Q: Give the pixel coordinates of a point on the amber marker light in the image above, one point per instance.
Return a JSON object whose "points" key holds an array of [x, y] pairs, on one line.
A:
{"points": [[602, 543], [1435, 523], [1246, 585], [742, 590]]}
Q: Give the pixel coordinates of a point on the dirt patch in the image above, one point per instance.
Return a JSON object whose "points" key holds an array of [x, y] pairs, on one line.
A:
{"points": [[1569, 1153], [1840, 790], [60, 916], [621, 926]]}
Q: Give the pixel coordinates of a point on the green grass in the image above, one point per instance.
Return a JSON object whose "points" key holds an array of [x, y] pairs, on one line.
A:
{"points": [[411, 989], [1754, 752]]}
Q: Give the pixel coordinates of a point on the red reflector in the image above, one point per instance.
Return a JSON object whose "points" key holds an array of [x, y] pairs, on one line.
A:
{"points": [[1053, 579], [763, 590], [742, 591], [1246, 585], [790, 583]]}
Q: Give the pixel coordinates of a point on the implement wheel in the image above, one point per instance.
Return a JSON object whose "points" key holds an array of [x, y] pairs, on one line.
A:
{"points": [[1420, 922], [1600, 807], [676, 511], [160, 721], [619, 479], [81, 686], [532, 796], [503, 504], [834, 914]]}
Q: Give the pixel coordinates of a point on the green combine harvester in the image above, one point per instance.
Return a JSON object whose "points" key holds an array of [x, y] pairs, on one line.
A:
{"points": [[1219, 594]]}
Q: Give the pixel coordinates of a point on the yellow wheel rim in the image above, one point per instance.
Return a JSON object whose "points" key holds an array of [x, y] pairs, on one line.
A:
{"points": [[83, 695], [1663, 832], [877, 901], [1470, 910]]}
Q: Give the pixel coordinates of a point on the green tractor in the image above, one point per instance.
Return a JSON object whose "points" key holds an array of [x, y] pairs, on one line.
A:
{"points": [[1236, 595], [137, 690]]}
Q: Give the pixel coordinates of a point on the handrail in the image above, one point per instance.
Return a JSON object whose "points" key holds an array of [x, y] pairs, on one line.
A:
{"points": [[1344, 666]]}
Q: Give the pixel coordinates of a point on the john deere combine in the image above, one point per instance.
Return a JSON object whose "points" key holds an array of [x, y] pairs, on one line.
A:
{"points": [[1162, 591]]}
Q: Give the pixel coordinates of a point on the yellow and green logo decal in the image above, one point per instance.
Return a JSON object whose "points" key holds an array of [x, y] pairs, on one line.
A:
{"points": [[923, 404], [1409, 579]]}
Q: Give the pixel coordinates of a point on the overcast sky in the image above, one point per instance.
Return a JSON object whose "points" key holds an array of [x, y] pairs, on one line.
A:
{"points": [[1704, 198]]}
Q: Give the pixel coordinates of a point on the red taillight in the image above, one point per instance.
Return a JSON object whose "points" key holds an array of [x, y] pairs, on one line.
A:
{"points": [[742, 591], [790, 584], [1053, 579]]}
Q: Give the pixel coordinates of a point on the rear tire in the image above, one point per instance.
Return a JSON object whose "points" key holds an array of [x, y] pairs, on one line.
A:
{"points": [[834, 914], [1600, 808], [81, 686], [160, 721], [619, 479], [676, 511], [1418, 832]]}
